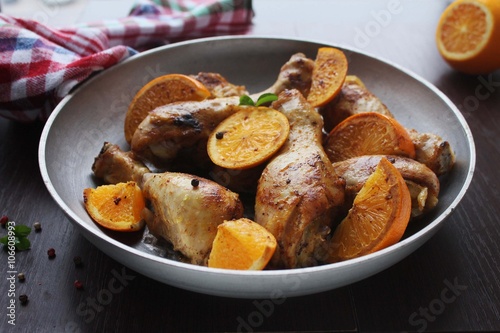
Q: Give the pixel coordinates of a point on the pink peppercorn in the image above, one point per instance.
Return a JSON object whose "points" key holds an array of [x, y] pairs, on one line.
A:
{"points": [[51, 253], [3, 220], [78, 284]]}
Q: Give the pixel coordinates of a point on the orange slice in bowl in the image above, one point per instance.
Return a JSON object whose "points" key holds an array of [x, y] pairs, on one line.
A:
{"points": [[378, 218], [242, 244], [368, 133], [117, 207], [329, 73], [160, 91], [248, 138]]}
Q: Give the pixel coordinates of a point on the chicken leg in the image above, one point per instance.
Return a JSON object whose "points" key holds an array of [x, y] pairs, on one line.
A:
{"points": [[114, 165], [299, 193], [186, 211]]}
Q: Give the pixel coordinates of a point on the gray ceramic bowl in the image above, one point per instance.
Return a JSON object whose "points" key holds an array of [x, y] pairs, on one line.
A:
{"points": [[94, 113]]}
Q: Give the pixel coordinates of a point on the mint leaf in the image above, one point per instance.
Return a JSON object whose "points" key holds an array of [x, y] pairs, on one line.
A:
{"points": [[22, 243], [263, 99], [246, 100], [266, 98], [22, 230]]}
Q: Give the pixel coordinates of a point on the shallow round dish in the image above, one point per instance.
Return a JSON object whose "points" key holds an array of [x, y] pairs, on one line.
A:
{"points": [[94, 113]]}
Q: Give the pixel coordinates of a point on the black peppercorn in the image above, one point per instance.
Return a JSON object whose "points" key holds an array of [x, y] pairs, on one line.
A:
{"points": [[23, 299], [78, 261], [21, 277], [195, 182], [219, 135]]}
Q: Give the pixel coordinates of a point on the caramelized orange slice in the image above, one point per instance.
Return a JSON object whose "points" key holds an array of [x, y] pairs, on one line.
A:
{"points": [[378, 218], [160, 91], [329, 73], [242, 244], [248, 138], [368, 133], [117, 207]]}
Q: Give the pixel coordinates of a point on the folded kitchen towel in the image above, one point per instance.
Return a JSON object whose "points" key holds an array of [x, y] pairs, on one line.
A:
{"points": [[39, 65]]}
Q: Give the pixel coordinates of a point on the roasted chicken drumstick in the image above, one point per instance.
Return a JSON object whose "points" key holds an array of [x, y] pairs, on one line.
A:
{"points": [[421, 181], [298, 193], [186, 211]]}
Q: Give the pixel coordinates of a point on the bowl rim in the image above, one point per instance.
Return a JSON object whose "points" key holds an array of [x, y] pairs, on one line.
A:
{"points": [[268, 273]]}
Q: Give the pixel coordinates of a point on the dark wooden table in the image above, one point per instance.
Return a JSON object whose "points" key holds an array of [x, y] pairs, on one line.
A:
{"points": [[450, 284]]}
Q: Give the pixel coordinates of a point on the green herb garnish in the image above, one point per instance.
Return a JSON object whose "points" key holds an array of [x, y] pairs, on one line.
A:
{"points": [[18, 236], [263, 99], [246, 100]]}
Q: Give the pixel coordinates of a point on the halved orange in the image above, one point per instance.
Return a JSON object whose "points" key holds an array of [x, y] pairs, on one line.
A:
{"points": [[468, 35], [117, 207], [368, 133], [378, 218], [160, 91], [329, 73], [248, 138], [242, 244]]}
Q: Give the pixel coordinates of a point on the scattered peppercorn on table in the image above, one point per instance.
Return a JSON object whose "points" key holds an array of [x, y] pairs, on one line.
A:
{"points": [[65, 284]]}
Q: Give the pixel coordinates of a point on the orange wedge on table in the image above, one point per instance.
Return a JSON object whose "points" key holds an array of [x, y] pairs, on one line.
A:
{"points": [[468, 35], [242, 244], [117, 207], [329, 73], [160, 91], [248, 138], [378, 218], [368, 133]]}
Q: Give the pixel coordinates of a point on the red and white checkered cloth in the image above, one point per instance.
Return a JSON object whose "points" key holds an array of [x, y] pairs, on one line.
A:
{"points": [[39, 65]]}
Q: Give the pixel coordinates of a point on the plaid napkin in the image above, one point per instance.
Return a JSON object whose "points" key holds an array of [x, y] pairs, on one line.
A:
{"points": [[39, 65]]}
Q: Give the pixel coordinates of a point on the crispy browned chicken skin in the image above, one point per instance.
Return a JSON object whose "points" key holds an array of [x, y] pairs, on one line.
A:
{"points": [[421, 181], [353, 98], [219, 86], [298, 193], [114, 165]]}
